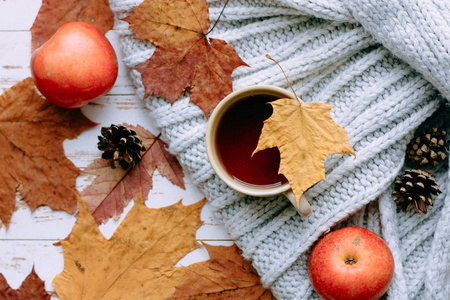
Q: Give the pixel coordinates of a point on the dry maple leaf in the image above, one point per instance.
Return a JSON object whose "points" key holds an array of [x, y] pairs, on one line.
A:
{"points": [[305, 135], [137, 262], [184, 56], [32, 288], [32, 132], [226, 275], [53, 14], [113, 189]]}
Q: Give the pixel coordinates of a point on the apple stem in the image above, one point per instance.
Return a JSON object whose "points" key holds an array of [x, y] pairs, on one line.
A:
{"points": [[299, 100]]}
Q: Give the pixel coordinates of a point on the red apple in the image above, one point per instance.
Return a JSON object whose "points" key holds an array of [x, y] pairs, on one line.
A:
{"points": [[351, 263], [76, 65]]}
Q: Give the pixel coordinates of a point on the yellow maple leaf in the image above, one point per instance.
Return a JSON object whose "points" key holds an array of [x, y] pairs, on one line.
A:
{"points": [[137, 262], [305, 135]]}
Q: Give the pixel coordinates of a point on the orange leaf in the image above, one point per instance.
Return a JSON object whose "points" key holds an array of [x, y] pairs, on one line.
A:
{"points": [[137, 262], [113, 189], [305, 134], [32, 158], [226, 275], [53, 14], [184, 57], [32, 288]]}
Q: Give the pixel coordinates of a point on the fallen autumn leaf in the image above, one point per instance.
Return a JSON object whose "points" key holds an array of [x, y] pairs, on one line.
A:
{"points": [[32, 158], [113, 189], [226, 275], [32, 288], [53, 15], [184, 56], [137, 262], [305, 134]]}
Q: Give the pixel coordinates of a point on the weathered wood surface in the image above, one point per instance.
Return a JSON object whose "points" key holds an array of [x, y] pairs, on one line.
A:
{"points": [[29, 240]]}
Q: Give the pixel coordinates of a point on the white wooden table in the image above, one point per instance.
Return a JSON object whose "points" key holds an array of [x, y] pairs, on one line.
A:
{"points": [[30, 237]]}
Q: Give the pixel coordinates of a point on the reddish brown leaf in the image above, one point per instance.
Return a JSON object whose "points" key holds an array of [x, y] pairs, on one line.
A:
{"points": [[53, 14], [32, 288], [32, 160], [113, 189], [226, 275], [184, 57]]}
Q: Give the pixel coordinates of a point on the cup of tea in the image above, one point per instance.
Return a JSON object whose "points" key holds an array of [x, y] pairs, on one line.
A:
{"points": [[232, 134]]}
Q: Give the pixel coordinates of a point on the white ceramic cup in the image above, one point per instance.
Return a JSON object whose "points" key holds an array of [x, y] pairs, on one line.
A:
{"points": [[303, 208]]}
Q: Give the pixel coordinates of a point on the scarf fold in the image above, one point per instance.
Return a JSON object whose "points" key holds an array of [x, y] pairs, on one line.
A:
{"points": [[385, 65]]}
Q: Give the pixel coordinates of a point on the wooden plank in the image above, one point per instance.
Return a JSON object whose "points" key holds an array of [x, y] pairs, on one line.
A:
{"points": [[15, 57], [18, 15], [17, 259], [45, 224], [29, 240]]}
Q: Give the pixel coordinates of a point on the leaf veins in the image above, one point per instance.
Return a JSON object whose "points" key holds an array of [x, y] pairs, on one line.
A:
{"points": [[32, 160], [113, 189], [184, 57]]}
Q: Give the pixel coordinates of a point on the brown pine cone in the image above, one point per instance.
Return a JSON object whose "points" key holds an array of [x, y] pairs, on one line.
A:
{"points": [[428, 149], [414, 189], [120, 144]]}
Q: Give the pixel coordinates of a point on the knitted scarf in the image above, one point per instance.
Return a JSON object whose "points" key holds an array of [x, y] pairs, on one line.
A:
{"points": [[385, 65]]}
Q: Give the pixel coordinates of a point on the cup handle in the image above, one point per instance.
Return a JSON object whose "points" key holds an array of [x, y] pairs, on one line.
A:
{"points": [[303, 207]]}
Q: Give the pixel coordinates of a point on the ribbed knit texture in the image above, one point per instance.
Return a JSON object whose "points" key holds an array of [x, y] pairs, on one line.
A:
{"points": [[385, 65]]}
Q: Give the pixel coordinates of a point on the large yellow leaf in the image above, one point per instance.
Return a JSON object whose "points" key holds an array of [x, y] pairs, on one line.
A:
{"points": [[137, 262], [305, 135]]}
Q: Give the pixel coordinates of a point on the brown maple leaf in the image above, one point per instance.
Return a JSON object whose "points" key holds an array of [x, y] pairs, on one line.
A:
{"points": [[226, 275], [53, 14], [32, 160], [184, 56], [113, 189], [32, 288], [305, 134], [137, 262]]}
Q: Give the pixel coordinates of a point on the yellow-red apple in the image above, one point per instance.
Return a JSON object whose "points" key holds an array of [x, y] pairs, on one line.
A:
{"points": [[76, 65], [351, 263]]}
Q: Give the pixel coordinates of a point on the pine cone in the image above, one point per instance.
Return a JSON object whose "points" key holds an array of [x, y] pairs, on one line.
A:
{"points": [[428, 148], [414, 189], [120, 144]]}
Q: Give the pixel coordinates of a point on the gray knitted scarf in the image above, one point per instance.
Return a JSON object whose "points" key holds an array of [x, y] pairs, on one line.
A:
{"points": [[385, 65]]}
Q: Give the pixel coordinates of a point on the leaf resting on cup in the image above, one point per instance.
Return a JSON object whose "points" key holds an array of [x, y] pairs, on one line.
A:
{"points": [[305, 135]]}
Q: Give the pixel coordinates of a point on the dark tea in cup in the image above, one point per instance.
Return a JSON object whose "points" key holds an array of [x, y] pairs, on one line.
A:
{"points": [[236, 139], [232, 135]]}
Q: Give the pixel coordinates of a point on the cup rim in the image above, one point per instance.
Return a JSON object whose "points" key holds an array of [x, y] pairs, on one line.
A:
{"points": [[211, 129]]}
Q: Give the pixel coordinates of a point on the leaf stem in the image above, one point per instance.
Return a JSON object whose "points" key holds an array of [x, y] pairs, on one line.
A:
{"points": [[299, 100], [209, 31]]}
